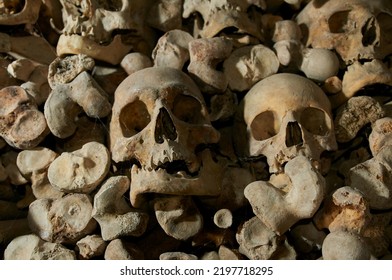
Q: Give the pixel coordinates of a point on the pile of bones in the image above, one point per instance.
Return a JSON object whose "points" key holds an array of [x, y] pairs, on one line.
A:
{"points": [[192, 129]]}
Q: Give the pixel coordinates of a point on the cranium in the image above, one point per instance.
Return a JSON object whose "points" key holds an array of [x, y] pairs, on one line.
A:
{"points": [[239, 20], [89, 26], [160, 122], [283, 116], [355, 29]]}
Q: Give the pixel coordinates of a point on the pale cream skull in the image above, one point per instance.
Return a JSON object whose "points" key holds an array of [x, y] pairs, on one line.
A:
{"points": [[355, 29], [283, 116], [159, 120]]}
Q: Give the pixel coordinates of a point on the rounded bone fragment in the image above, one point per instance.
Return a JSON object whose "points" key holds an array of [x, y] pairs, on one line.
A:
{"points": [[257, 241], [91, 246], [247, 65], [81, 170], [177, 256], [178, 216], [135, 61], [64, 220], [114, 215], [31, 247], [319, 64], [223, 218], [354, 115], [344, 245], [118, 249]]}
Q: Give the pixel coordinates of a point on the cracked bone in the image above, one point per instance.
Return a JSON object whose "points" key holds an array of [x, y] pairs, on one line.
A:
{"points": [[257, 241], [22, 125], [81, 170], [346, 209], [31, 247], [91, 246], [64, 70], [249, 64], [114, 215], [374, 179], [352, 116], [205, 54], [63, 220], [279, 210], [178, 216], [172, 49], [34, 164], [67, 101]]}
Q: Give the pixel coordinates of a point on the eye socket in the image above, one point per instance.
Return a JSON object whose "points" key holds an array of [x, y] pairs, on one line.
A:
{"points": [[188, 109], [315, 121], [265, 125], [134, 117], [339, 22]]}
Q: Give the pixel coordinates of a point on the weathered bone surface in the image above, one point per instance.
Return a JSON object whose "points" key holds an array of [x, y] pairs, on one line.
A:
{"points": [[135, 61], [343, 245], [373, 178], [22, 125], [63, 220], [354, 115], [67, 101], [178, 216], [257, 241], [31, 247], [34, 164], [355, 29], [205, 54], [248, 65], [91, 246], [381, 135], [279, 210], [81, 170], [282, 116], [172, 49], [115, 217], [177, 256], [118, 249]]}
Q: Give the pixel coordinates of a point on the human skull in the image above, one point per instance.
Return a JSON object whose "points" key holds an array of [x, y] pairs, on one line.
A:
{"points": [[159, 122], [355, 29], [282, 116], [238, 20], [115, 23]]}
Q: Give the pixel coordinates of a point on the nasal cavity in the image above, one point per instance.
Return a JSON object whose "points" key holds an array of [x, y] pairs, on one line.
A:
{"points": [[369, 33], [293, 134], [164, 128]]}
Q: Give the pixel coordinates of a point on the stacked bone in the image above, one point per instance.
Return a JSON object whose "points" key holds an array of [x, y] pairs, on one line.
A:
{"points": [[189, 129]]}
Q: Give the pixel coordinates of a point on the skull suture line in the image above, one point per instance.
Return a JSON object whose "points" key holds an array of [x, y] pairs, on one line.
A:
{"points": [[355, 29], [283, 116], [160, 121], [104, 30]]}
